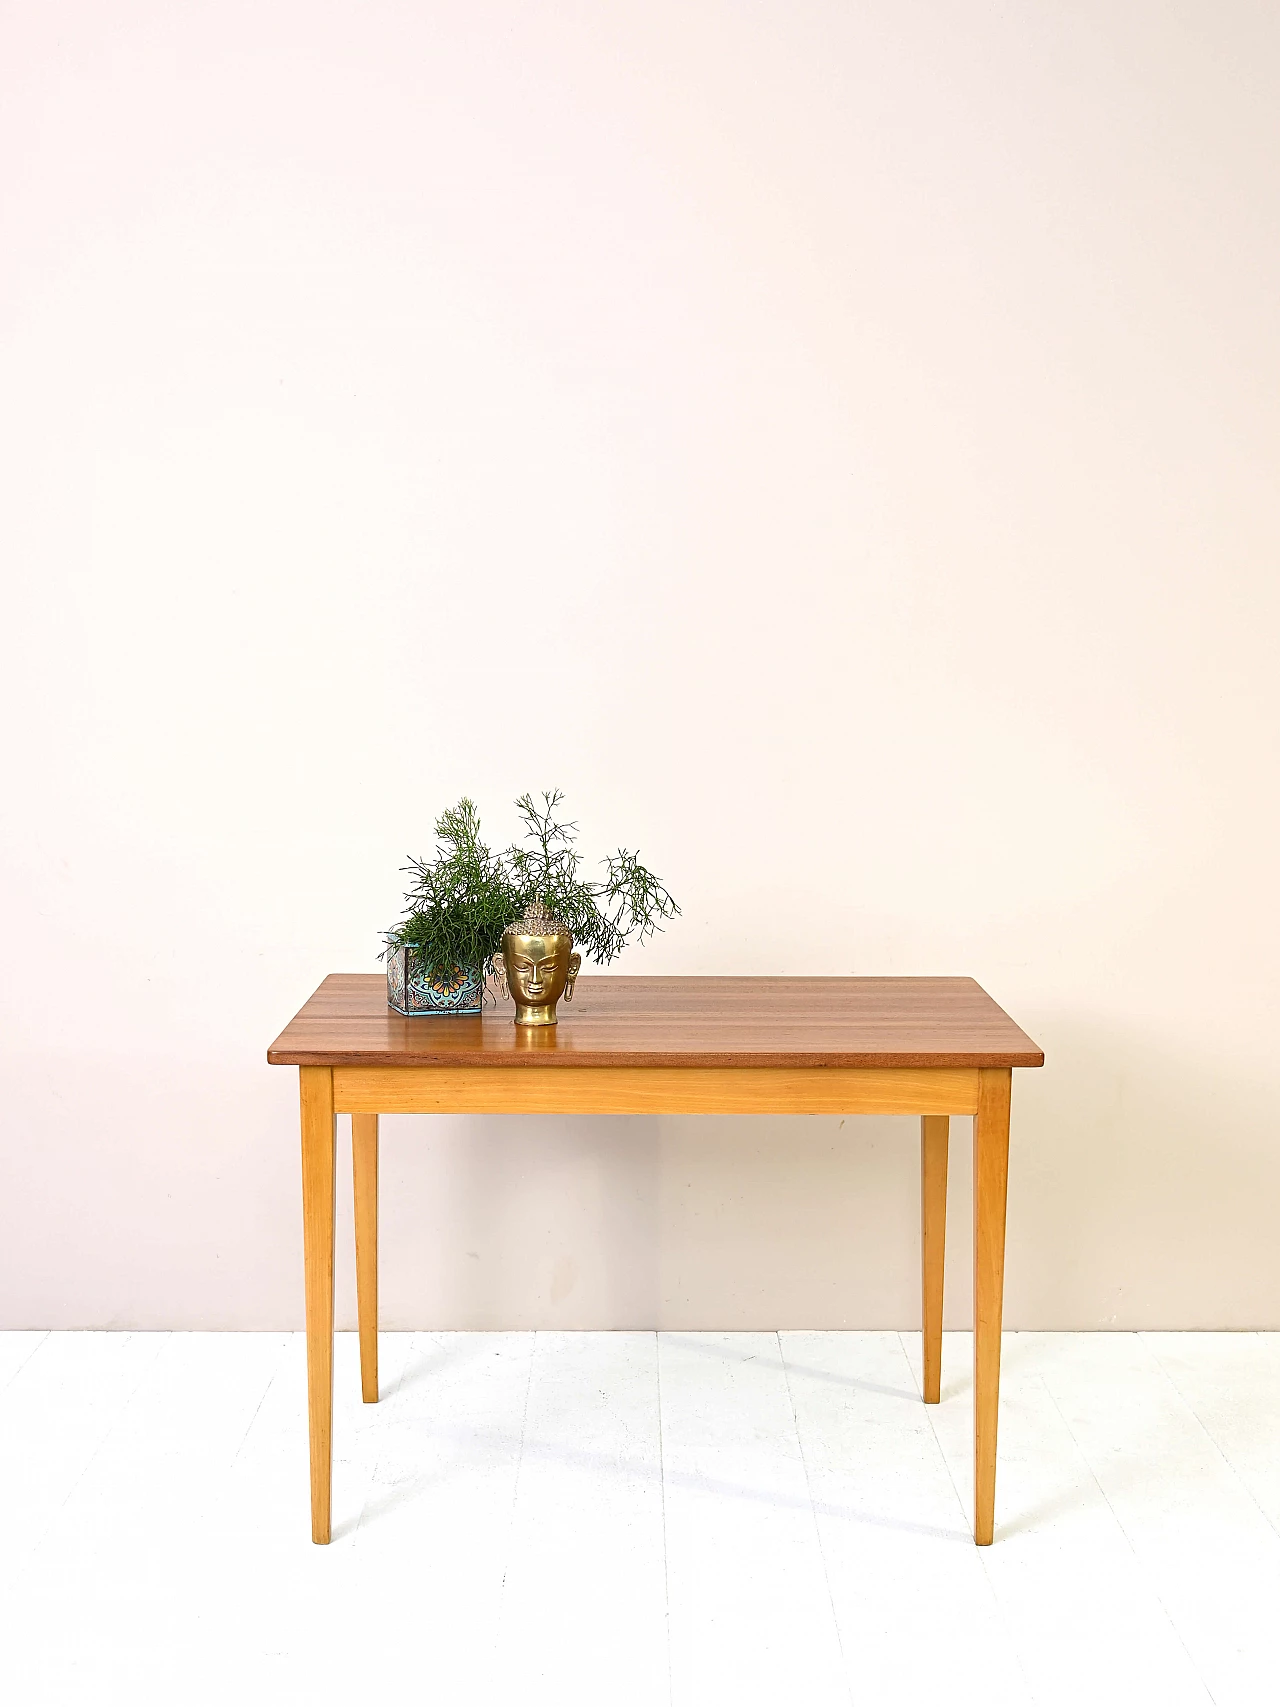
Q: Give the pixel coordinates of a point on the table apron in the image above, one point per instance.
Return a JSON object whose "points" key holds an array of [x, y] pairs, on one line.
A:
{"points": [[655, 1090]]}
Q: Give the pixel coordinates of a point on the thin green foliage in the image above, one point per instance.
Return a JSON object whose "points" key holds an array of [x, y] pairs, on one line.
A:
{"points": [[459, 903], [604, 914]]}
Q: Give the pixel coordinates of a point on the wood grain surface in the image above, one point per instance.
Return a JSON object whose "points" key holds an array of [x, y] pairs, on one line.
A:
{"points": [[990, 1194], [673, 1022], [364, 1188], [935, 1140], [656, 1090], [319, 1155]]}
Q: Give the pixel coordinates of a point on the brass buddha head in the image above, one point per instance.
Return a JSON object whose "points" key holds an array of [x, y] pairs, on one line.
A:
{"points": [[537, 965]]}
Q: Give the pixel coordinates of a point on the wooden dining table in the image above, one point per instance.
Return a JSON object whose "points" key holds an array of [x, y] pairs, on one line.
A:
{"points": [[931, 1047]]}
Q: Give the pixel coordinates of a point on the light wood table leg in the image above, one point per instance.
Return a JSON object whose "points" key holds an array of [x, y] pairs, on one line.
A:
{"points": [[319, 1154], [934, 1134], [990, 1188], [364, 1167]]}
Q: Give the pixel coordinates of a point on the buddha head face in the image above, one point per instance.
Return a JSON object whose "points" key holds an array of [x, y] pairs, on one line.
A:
{"points": [[537, 963]]}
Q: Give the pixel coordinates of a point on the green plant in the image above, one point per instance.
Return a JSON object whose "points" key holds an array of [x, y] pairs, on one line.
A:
{"points": [[459, 903], [604, 915]]}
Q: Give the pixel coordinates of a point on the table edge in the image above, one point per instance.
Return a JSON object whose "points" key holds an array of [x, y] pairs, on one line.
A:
{"points": [[471, 1059]]}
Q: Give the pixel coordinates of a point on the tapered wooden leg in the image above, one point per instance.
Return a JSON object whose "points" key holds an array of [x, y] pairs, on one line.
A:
{"points": [[319, 1146], [934, 1132], [364, 1165], [990, 1187]]}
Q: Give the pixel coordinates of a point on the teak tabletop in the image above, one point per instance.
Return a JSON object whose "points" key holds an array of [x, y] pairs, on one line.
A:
{"points": [[673, 1022], [927, 1046]]}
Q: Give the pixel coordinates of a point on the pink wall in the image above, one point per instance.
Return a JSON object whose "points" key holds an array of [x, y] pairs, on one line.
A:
{"points": [[875, 408]]}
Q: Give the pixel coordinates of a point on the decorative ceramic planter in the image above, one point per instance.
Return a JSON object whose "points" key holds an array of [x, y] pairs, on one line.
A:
{"points": [[411, 991]]}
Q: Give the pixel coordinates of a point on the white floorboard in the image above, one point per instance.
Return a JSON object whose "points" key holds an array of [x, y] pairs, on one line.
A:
{"points": [[750, 1607], [909, 1593], [631, 1518], [584, 1569]]}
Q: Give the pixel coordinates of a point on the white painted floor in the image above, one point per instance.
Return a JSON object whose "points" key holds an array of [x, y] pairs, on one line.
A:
{"points": [[630, 1518]]}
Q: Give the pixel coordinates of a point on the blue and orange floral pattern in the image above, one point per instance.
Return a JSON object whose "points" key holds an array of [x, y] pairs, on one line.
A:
{"points": [[410, 991]]}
